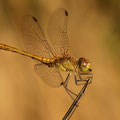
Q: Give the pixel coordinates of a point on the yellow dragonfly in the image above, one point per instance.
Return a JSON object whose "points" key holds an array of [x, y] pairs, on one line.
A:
{"points": [[52, 56]]}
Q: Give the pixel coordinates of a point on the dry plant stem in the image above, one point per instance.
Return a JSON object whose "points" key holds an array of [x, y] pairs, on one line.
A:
{"points": [[74, 105]]}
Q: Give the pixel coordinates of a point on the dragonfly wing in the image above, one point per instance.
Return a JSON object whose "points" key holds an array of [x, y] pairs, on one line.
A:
{"points": [[57, 31], [34, 39], [51, 76]]}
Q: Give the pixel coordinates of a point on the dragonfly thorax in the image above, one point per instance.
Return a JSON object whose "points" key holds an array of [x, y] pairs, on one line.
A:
{"points": [[65, 64]]}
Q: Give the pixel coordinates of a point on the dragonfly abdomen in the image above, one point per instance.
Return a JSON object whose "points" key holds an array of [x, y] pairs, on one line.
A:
{"points": [[35, 57], [47, 60]]}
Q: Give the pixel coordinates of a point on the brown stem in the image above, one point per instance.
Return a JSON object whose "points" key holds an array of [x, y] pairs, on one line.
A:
{"points": [[74, 105]]}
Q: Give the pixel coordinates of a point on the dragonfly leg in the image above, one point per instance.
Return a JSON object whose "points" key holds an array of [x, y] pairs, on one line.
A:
{"points": [[65, 84], [82, 81]]}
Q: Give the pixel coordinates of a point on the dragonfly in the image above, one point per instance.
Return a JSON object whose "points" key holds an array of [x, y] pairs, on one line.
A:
{"points": [[52, 56]]}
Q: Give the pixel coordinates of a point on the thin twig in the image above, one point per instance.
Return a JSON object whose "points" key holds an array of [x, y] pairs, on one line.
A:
{"points": [[74, 105]]}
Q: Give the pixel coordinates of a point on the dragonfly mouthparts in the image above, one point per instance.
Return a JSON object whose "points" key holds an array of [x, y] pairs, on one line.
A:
{"points": [[90, 70]]}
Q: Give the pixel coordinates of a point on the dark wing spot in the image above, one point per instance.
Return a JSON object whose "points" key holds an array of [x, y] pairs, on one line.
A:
{"points": [[66, 13], [34, 19], [62, 83]]}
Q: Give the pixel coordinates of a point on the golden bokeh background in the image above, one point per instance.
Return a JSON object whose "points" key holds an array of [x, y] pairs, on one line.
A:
{"points": [[94, 33]]}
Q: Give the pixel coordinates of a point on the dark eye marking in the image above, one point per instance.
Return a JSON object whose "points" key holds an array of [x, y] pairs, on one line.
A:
{"points": [[66, 13], [34, 19]]}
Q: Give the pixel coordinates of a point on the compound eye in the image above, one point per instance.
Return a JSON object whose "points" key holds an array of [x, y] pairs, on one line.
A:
{"points": [[84, 64], [88, 64]]}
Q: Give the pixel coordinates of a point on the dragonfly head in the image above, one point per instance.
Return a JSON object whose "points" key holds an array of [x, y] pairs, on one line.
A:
{"points": [[84, 65]]}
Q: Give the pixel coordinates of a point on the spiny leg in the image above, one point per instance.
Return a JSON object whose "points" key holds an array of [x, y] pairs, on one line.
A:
{"points": [[88, 78], [81, 79], [65, 84]]}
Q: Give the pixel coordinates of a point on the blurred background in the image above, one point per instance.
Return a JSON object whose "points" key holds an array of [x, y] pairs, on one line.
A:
{"points": [[94, 33]]}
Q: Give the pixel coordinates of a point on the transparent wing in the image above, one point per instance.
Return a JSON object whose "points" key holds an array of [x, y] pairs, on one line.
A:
{"points": [[34, 39], [57, 31], [51, 76]]}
